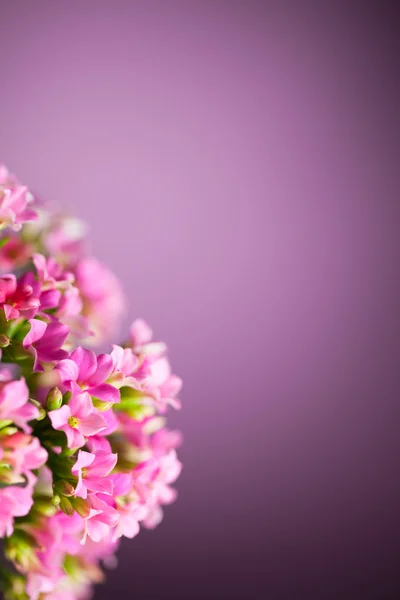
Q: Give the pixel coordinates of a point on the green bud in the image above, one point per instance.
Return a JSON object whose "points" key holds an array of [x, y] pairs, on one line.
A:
{"points": [[54, 399], [45, 507], [81, 506], [8, 430], [66, 506], [21, 548], [100, 405], [67, 397], [56, 499], [64, 488], [4, 340], [42, 412]]}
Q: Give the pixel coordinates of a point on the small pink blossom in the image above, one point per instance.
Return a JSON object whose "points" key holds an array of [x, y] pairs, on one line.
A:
{"points": [[102, 519], [92, 471], [24, 453], [104, 300], [89, 372], [14, 502], [45, 341], [20, 454], [14, 202], [17, 298], [78, 419], [15, 405]]}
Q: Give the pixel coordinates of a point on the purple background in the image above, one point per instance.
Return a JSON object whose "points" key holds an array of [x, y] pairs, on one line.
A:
{"points": [[237, 164]]}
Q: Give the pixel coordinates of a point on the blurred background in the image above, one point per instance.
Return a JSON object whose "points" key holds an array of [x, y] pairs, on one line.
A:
{"points": [[238, 164]]}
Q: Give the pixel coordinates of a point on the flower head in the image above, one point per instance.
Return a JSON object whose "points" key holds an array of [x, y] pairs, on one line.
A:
{"points": [[78, 419]]}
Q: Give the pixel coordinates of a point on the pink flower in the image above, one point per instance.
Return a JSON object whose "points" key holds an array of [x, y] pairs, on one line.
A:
{"points": [[38, 585], [17, 298], [14, 201], [14, 253], [78, 419], [24, 453], [162, 385], [92, 471], [152, 481], [14, 502], [89, 373], [140, 333], [79, 494], [65, 239], [103, 297], [152, 372], [102, 519], [131, 512], [19, 454], [44, 341], [14, 404]]}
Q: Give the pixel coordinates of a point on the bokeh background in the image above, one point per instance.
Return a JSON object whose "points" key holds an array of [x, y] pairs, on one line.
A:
{"points": [[238, 164]]}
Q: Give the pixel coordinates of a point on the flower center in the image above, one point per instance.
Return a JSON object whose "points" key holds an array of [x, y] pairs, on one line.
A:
{"points": [[84, 473], [73, 422]]}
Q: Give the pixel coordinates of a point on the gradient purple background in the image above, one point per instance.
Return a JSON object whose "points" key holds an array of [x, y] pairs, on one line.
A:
{"points": [[237, 164]]}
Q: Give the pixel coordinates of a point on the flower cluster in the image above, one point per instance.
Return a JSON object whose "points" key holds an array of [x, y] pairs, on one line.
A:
{"points": [[85, 457]]}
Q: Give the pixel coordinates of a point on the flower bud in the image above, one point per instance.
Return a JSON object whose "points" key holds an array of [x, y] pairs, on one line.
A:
{"points": [[45, 507], [81, 506], [9, 430], [64, 488], [66, 506], [21, 548], [56, 499], [4, 340], [42, 412], [102, 406], [54, 399]]}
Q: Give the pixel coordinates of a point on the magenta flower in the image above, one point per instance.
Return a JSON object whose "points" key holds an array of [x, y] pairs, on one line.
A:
{"points": [[78, 419], [44, 341], [88, 371], [92, 471], [14, 404], [17, 298]]}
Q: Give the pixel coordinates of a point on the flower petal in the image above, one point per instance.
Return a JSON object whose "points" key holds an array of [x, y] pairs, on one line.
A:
{"points": [[92, 424], [35, 333], [104, 369], [106, 393], [68, 371], [86, 361], [59, 418]]}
